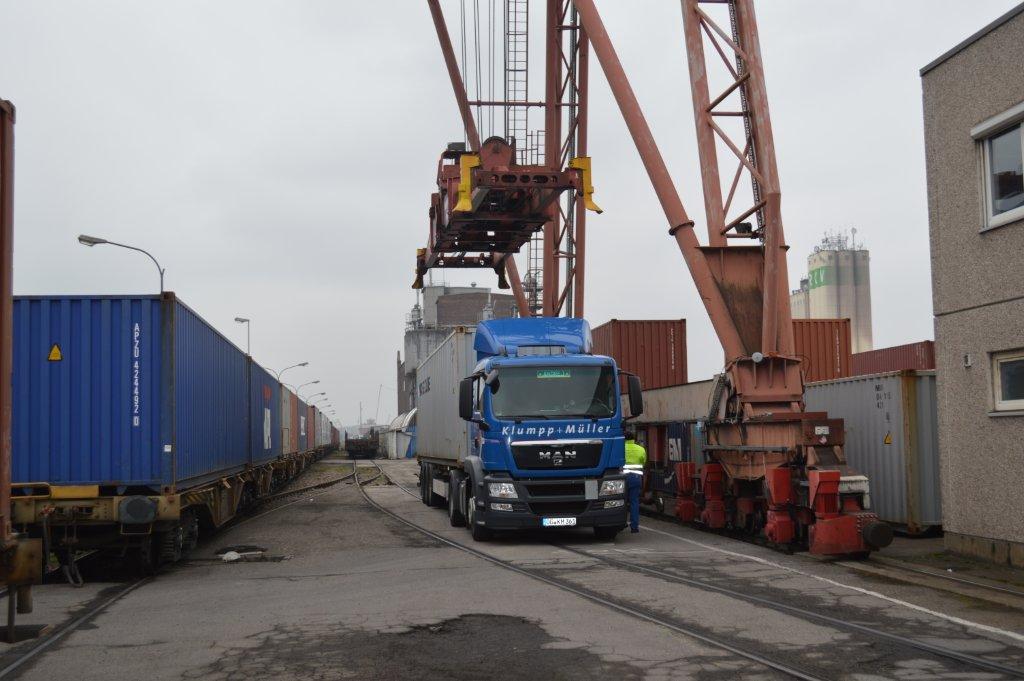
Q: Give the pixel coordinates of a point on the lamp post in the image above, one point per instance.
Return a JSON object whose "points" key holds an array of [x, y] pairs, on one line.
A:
{"points": [[313, 395], [293, 366], [248, 339], [298, 390], [91, 241]]}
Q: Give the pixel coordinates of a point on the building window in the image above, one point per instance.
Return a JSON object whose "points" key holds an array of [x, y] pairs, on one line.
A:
{"points": [[1002, 144], [1008, 380]]}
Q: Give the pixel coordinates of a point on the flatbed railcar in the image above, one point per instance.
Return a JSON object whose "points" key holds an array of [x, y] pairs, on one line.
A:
{"points": [[365, 447], [137, 427]]}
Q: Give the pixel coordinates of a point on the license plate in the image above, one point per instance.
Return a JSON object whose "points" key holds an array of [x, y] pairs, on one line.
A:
{"points": [[558, 522]]}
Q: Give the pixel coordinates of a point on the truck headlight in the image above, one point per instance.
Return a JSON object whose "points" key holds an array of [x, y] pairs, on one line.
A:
{"points": [[502, 490], [612, 487]]}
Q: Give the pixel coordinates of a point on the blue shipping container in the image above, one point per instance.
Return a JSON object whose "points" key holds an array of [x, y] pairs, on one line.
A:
{"points": [[129, 391]]}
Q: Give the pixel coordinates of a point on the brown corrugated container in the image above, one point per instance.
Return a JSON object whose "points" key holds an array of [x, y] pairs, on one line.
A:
{"points": [[653, 349], [825, 346], [917, 356]]}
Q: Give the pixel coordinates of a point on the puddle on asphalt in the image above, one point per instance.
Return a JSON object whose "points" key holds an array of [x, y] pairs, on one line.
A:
{"points": [[494, 647]]}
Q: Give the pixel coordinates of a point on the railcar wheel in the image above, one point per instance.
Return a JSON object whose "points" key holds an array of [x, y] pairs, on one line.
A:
{"points": [[190, 531], [147, 558], [170, 543]]}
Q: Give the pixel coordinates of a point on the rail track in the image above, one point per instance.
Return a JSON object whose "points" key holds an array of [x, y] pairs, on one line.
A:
{"points": [[634, 611], [123, 590], [875, 632], [747, 539], [971, 661], [60, 632]]}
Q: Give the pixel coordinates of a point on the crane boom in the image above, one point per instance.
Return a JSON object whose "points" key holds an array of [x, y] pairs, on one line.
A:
{"points": [[772, 468]]}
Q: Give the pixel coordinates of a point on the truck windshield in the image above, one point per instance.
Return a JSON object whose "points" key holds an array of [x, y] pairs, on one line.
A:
{"points": [[554, 392]]}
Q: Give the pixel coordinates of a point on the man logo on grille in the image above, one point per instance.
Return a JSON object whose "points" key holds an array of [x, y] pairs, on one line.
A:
{"points": [[556, 457]]}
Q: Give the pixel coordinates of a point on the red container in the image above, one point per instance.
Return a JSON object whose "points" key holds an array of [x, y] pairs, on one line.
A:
{"points": [[311, 428], [295, 422], [825, 346], [6, 310], [918, 356], [653, 349]]}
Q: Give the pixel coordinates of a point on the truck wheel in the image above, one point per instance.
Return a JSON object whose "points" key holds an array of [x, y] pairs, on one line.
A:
{"points": [[478, 532], [455, 517], [424, 484], [607, 533]]}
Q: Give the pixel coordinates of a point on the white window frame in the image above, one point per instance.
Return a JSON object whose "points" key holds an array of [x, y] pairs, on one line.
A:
{"points": [[997, 388], [982, 133]]}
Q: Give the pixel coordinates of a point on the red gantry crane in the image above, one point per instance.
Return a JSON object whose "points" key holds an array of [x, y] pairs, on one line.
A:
{"points": [[772, 469]]}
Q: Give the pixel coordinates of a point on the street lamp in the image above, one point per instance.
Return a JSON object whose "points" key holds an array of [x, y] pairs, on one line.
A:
{"points": [[248, 340], [300, 364], [313, 395], [91, 241], [299, 389]]}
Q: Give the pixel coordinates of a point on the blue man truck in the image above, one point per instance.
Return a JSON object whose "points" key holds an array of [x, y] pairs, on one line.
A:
{"points": [[519, 426]]}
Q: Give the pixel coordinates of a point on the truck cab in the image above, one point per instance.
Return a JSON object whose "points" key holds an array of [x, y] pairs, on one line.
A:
{"points": [[546, 443]]}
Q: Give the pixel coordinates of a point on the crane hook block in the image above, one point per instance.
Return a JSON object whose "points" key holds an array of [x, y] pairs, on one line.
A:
{"points": [[582, 164], [466, 164]]}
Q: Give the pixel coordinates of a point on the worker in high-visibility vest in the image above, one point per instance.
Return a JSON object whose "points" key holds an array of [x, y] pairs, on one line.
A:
{"points": [[636, 457]]}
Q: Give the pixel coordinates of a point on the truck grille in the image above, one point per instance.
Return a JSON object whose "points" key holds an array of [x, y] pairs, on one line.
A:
{"points": [[546, 456], [558, 507], [558, 489]]}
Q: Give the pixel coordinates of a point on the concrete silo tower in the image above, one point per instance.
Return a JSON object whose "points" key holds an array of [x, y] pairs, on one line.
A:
{"points": [[838, 285]]}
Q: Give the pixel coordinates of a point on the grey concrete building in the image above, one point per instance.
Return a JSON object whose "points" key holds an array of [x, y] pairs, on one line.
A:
{"points": [[428, 323], [973, 113]]}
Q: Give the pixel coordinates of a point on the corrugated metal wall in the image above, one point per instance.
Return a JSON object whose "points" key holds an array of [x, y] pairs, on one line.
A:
{"points": [[211, 400], [916, 356], [825, 345], [892, 437], [653, 349], [91, 412], [265, 420]]}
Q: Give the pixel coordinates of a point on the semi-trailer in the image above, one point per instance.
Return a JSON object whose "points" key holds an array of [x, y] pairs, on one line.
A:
{"points": [[519, 426]]}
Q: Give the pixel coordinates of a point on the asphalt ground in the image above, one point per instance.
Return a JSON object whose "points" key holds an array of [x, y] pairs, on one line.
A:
{"points": [[343, 591]]}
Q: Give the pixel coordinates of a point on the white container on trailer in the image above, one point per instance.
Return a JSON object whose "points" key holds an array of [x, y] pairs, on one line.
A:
{"points": [[441, 434]]}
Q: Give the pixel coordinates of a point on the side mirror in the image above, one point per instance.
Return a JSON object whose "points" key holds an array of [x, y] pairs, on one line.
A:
{"points": [[636, 395], [466, 399]]}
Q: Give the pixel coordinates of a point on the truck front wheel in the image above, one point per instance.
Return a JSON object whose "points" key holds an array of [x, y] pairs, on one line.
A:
{"points": [[455, 517], [478, 532], [607, 533]]}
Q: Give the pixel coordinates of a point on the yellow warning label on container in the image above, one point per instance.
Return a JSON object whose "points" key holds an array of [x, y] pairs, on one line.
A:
{"points": [[55, 354], [888, 439]]}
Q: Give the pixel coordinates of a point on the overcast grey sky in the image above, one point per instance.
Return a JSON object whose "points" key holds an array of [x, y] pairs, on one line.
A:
{"points": [[278, 157]]}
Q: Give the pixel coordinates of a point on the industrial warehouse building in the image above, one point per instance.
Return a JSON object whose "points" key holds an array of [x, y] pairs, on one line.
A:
{"points": [[973, 115]]}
